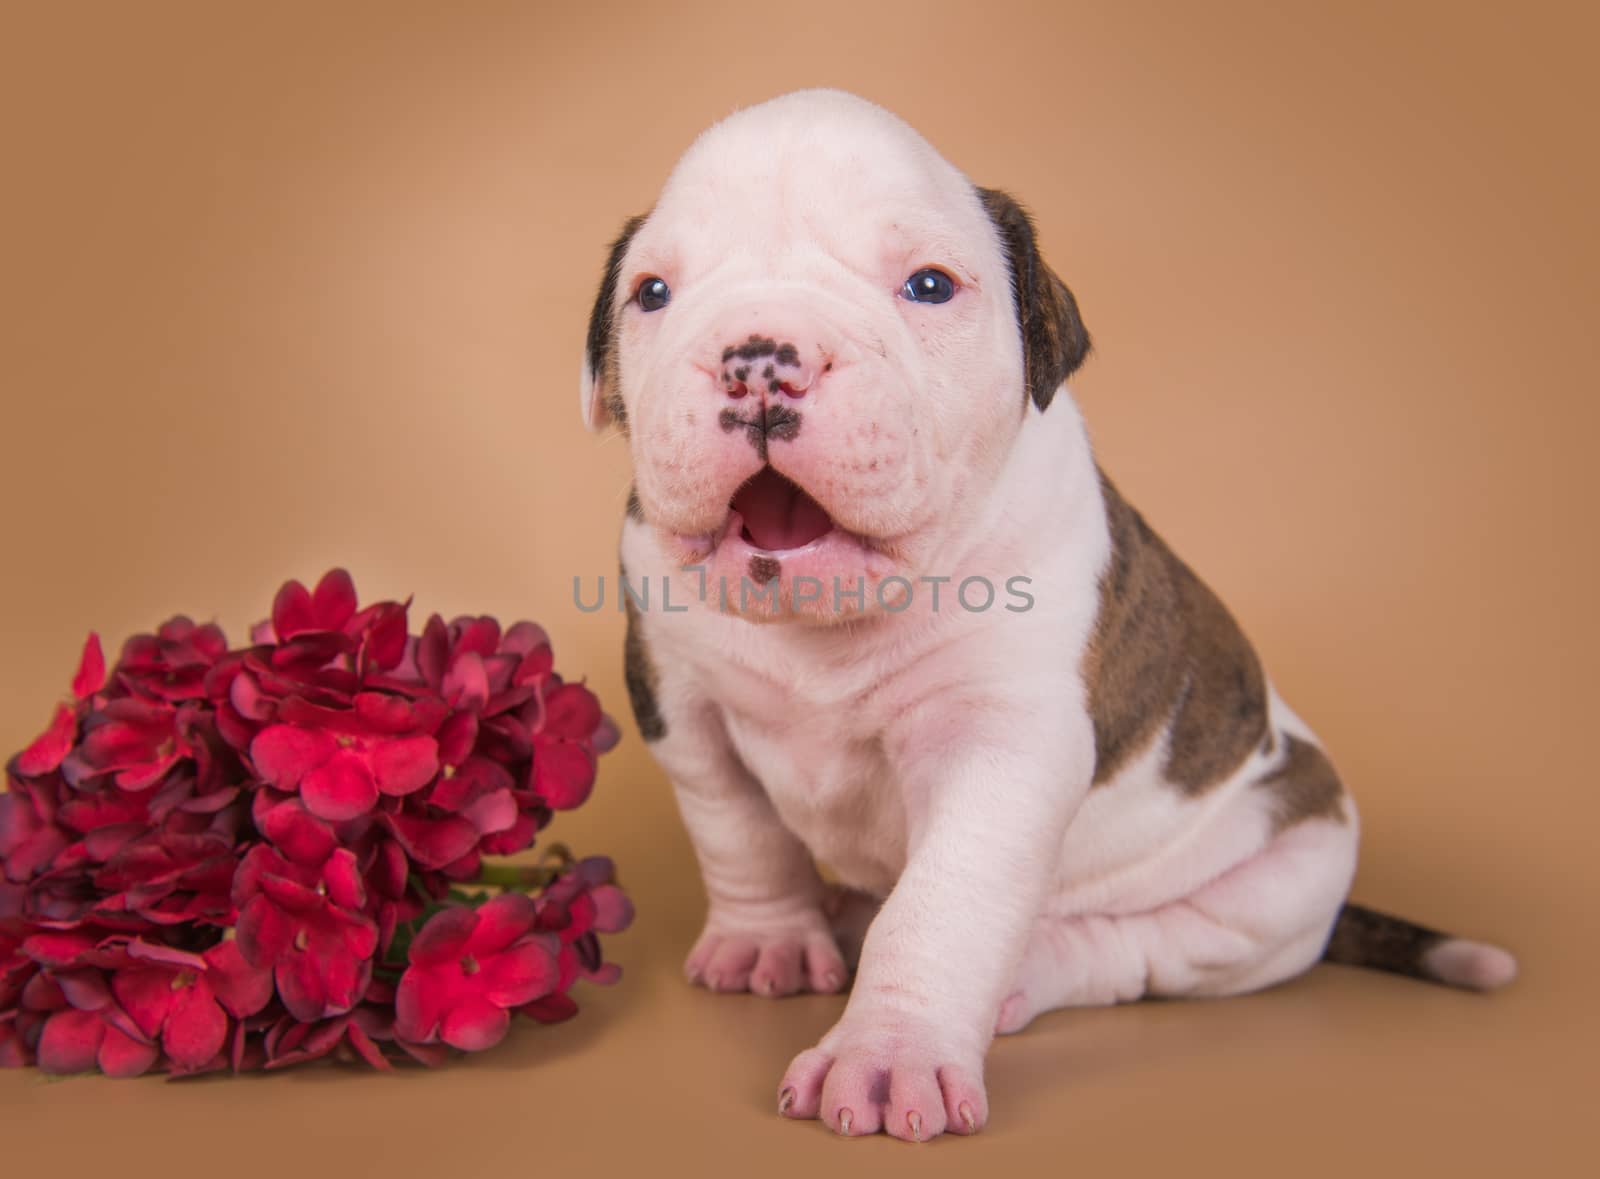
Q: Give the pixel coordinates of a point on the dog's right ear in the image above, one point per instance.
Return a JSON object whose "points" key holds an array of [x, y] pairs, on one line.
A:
{"points": [[1054, 340], [601, 399]]}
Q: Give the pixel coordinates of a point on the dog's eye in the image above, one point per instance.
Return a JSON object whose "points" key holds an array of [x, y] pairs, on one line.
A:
{"points": [[929, 286], [653, 294]]}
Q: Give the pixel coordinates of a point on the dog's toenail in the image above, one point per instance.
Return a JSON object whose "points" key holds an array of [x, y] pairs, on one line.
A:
{"points": [[767, 986], [914, 1120], [785, 1100], [966, 1116], [844, 1121]]}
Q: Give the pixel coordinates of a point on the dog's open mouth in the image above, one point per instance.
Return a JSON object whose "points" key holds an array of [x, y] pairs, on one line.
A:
{"points": [[777, 513]]}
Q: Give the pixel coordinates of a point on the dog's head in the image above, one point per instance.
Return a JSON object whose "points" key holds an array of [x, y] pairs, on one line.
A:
{"points": [[822, 342]]}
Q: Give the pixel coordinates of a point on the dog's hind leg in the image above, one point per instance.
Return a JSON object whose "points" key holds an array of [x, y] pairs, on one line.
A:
{"points": [[1262, 922]]}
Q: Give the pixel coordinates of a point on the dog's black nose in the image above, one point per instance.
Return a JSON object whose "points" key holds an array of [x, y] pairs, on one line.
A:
{"points": [[763, 365]]}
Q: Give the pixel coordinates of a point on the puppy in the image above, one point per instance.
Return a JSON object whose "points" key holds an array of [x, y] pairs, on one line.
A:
{"points": [[885, 612]]}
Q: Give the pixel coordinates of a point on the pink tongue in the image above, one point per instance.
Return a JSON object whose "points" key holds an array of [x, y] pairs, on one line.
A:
{"points": [[778, 514]]}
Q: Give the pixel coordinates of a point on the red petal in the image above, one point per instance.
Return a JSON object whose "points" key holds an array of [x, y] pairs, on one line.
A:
{"points": [[298, 834], [406, 765], [389, 869], [341, 788], [91, 676], [334, 601], [518, 838], [107, 810], [196, 1027], [50, 748], [433, 648], [39, 852], [121, 1055], [284, 754], [416, 1008], [473, 779], [291, 895], [433, 843], [386, 640], [365, 1048], [84, 989], [43, 993], [13, 1054], [535, 665], [552, 1008], [344, 980], [510, 916], [456, 738], [391, 716], [241, 988], [292, 611], [479, 635], [342, 876], [522, 637], [474, 1025], [300, 986], [248, 700], [428, 1055], [264, 932], [466, 684], [571, 711], [147, 995], [613, 909], [57, 949], [520, 974], [445, 937], [492, 813], [604, 739], [70, 1042], [563, 774]]}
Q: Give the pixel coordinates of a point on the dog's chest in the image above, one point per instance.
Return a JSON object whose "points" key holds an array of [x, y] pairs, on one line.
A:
{"points": [[821, 761]]}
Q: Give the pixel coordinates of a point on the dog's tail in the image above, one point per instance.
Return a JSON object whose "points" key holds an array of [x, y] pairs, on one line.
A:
{"points": [[1366, 937]]}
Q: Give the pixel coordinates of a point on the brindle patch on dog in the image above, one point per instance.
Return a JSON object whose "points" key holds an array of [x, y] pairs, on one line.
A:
{"points": [[1054, 340], [764, 569], [1165, 651], [757, 346], [1366, 937], [601, 344], [752, 349], [639, 672], [782, 423], [1304, 787], [776, 421]]}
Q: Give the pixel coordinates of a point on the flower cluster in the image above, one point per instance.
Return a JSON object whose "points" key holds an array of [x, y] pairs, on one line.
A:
{"points": [[252, 858]]}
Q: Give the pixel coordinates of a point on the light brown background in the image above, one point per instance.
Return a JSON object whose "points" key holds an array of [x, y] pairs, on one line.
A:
{"points": [[294, 285]]}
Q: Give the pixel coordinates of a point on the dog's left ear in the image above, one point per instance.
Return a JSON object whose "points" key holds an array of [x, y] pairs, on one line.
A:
{"points": [[1054, 340], [601, 399]]}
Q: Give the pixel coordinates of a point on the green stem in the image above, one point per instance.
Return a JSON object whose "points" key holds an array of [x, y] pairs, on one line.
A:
{"points": [[518, 876]]}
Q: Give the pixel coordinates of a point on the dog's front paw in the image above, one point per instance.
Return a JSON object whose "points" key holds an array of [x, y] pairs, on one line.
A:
{"points": [[783, 959], [891, 1073]]}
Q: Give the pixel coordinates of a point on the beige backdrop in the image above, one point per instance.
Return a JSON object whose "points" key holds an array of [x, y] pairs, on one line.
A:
{"points": [[292, 285]]}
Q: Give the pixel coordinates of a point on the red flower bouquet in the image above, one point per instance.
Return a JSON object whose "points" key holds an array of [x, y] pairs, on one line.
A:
{"points": [[240, 859]]}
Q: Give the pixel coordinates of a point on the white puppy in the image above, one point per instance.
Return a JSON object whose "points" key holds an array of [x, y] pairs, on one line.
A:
{"points": [[1036, 751]]}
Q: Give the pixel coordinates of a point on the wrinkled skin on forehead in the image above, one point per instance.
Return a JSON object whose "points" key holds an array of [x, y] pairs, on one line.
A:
{"points": [[802, 225]]}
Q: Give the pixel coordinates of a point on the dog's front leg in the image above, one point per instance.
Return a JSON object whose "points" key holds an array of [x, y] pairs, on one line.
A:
{"points": [[765, 931], [985, 836]]}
